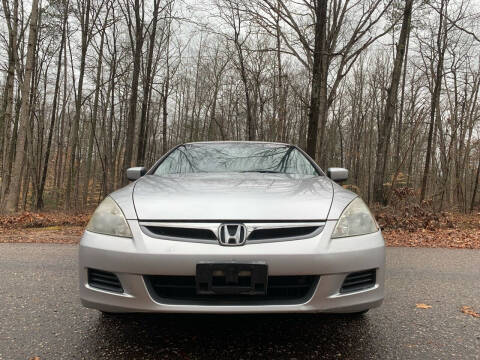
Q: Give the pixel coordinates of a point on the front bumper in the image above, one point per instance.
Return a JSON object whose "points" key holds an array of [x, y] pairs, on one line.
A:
{"points": [[131, 259]]}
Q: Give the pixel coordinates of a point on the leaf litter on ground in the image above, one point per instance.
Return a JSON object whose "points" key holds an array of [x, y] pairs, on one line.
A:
{"points": [[423, 306], [469, 311]]}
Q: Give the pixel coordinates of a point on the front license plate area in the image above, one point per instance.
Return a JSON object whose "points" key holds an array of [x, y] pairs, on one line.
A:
{"points": [[231, 278]]}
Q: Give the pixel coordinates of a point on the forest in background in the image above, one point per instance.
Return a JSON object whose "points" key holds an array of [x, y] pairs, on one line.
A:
{"points": [[386, 88]]}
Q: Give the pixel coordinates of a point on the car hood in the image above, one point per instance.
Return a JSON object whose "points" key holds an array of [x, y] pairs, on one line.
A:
{"points": [[232, 196]]}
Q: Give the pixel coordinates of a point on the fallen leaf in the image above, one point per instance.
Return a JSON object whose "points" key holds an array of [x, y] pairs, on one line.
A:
{"points": [[423, 306], [469, 311]]}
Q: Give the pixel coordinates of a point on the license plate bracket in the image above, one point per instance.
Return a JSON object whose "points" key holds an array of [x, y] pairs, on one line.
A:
{"points": [[231, 278]]}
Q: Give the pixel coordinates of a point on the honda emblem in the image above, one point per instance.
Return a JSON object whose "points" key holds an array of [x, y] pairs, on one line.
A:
{"points": [[232, 234]]}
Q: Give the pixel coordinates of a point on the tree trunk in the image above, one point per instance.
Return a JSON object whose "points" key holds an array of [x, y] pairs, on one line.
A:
{"points": [[132, 113], [244, 77], [85, 20], [384, 132], [475, 188], [165, 113], [318, 79], [147, 85], [39, 204], [7, 104], [166, 91], [14, 189], [402, 103], [435, 98], [282, 109], [93, 122]]}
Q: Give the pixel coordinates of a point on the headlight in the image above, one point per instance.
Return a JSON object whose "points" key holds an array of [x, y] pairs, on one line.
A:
{"points": [[108, 219], [355, 220]]}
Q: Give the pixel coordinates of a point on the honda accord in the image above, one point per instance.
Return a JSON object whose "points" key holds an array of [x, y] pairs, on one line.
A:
{"points": [[232, 227]]}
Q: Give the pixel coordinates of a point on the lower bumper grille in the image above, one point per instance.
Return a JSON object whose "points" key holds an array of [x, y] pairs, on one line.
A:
{"points": [[360, 280], [280, 290], [104, 280]]}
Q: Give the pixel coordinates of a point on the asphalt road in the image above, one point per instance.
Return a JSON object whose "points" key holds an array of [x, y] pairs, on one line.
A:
{"points": [[40, 315]]}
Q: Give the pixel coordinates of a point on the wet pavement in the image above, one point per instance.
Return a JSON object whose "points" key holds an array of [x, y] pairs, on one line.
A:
{"points": [[40, 315]]}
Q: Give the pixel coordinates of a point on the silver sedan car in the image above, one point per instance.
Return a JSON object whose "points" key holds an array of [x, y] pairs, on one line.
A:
{"points": [[232, 227]]}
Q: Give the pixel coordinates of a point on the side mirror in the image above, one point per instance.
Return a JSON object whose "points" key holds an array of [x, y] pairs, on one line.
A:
{"points": [[135, 173], [337, 174]]}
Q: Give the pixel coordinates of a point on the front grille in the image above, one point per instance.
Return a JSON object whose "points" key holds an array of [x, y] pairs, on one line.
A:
{"points": [[104, 280], [282, 233], [182, 233], [208, 232], [359, 281], [182, 290]]}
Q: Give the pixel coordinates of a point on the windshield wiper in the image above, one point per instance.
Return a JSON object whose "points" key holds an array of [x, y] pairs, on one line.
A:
{"points": [[262, 171]]}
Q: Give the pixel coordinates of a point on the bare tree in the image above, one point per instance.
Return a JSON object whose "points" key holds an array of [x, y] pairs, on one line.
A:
{"points": [[136, 39], [232, 13], [39, 202], [318, 97], [13, 194], [435, 98], [147, 85], [8, 99], [116, 81], [87, 16], [385, 126]]}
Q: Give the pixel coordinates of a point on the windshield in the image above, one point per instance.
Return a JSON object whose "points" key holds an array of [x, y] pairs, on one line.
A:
{"points": [[236, 157]]}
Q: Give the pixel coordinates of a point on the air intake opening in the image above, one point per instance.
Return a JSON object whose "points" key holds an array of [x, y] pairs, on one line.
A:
{"points": [[281, 233], [182, 290], [182, 233], [360, 280], [104, 280]]}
